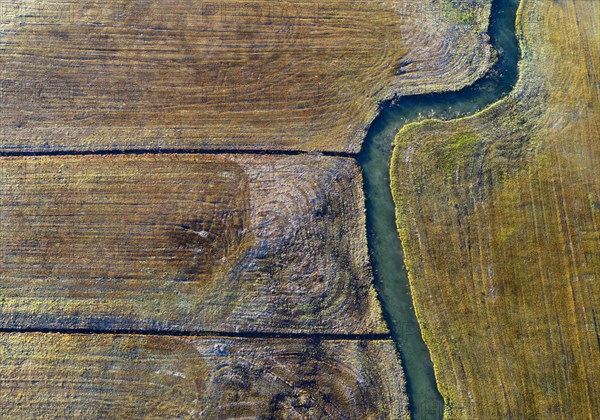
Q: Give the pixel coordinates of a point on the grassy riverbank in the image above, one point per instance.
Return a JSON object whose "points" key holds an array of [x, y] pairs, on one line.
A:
{"points": [[499, 216]]}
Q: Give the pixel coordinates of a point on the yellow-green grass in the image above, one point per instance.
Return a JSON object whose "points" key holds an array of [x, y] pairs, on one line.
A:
{"points": [[185, 243], [499, 214], [132, 376], [229, 74]]}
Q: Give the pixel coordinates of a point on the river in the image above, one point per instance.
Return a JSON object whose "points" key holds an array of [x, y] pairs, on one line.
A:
{"points": [[384, 244]]}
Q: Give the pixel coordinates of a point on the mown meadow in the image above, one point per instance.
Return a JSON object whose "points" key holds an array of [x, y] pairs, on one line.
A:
{"points": [[499, 216]]}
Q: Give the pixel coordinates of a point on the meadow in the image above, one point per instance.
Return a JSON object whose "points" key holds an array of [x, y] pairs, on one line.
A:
{"points": [[499, 216], [227, 75], [133, 376], [185, 243]]}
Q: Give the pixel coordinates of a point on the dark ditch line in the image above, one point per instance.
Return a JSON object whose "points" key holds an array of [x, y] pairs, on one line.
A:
{"points": [[596, 327], [207, 334], [174, 151]]}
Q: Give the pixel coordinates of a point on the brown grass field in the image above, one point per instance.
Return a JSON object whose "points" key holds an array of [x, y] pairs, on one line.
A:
{"points": [[132, 376], [499, 215], [185, 242], [227, 74]]}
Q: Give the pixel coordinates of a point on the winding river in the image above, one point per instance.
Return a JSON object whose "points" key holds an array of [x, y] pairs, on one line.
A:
{"points": [[384, 244]]}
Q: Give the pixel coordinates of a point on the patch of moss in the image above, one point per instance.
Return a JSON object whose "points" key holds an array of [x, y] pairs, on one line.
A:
{"points": [[455, 153], [464, 12]]}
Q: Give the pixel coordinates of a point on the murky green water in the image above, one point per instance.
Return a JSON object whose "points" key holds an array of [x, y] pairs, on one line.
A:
{"points": [[384, 244]]}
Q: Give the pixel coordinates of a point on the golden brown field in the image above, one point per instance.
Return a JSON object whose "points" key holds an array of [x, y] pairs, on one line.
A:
{"points": [[499, 215], [185, 243], [132, 376], [228, 74]]}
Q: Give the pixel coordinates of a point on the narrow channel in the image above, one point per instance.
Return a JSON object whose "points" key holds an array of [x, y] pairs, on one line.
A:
{"points": [[384, 244]]}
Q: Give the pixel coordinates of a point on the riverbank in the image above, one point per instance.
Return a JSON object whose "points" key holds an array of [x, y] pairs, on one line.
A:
{"points": [[499, 217]]}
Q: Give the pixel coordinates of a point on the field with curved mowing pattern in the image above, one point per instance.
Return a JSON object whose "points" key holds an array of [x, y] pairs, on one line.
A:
{"points": [[84, 376], [261, 75], [185, 243], [116, 271]]}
